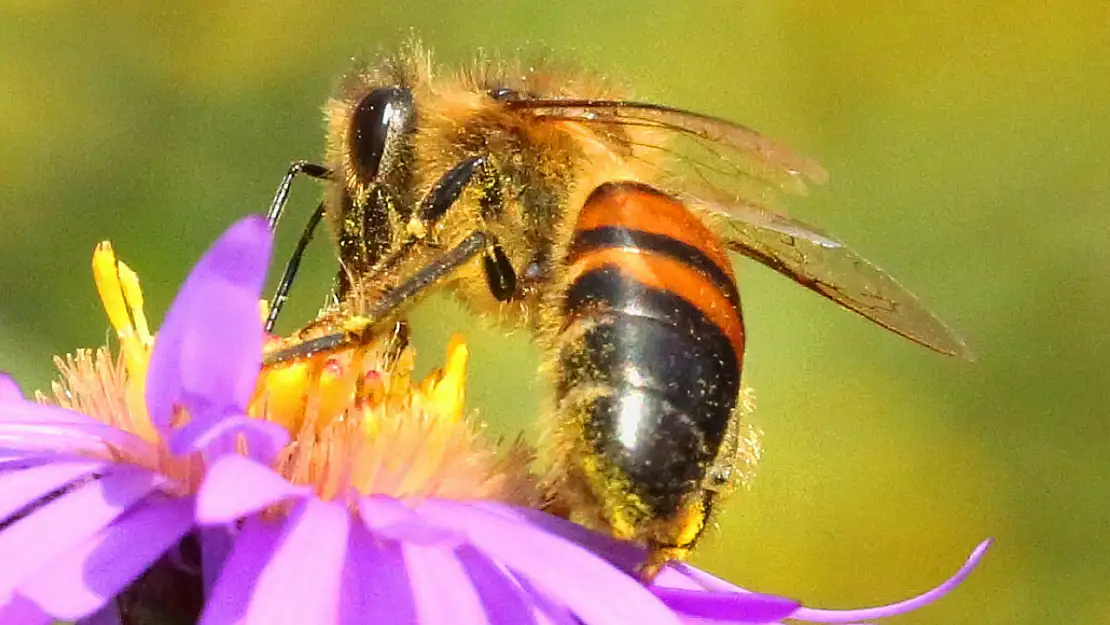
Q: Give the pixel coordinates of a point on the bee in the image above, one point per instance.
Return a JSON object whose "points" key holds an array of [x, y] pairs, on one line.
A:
{"points": [[601, 224]]}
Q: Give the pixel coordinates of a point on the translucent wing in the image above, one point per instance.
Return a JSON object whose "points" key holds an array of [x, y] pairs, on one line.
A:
{"points": [[823, 264], [695, 150], [732, 176]]}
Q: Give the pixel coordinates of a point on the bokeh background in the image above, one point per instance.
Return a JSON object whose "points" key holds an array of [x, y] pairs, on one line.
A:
{"points": [[968, 147]]}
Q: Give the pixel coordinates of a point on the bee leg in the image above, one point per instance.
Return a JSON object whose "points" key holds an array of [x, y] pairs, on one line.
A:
{"points": [[500, 276], [442, 196], [476, 170], [281, 197], [281, 293], [360, 328]]}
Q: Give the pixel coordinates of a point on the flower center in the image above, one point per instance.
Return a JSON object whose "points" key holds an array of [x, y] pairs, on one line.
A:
{"points": [[358, 422]]}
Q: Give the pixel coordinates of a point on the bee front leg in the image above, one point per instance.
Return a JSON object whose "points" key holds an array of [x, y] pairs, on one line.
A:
{"points": [[281, 293], [281, 197], [273, 215]]}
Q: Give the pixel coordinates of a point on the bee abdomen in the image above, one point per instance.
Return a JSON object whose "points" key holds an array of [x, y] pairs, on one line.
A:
{"points": [[650, 355]]}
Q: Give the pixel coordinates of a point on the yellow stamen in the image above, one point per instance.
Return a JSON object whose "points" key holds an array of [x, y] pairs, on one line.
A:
{"points": [[133, 293], [115, 297], [448, 393], [284, 395], [337, 388]]}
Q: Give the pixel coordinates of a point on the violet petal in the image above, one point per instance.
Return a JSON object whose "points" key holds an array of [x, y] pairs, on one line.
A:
{"points": [[441, 587], [9, 389], [867, 614], [87, 577], [670, 577], [30, 426], [21, 488], [301, 582], [220, 435], [731, 607], [235, 487], [375, 582], [208, 352], [230, 598], [547, 610], [395, 520], [63, 524], [23, 611], [504, 601], [624, 555], [108, 615], [216, 544], [597, 593]]}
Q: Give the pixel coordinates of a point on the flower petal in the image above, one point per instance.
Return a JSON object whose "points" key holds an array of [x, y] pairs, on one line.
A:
{"points": [[208, 353], [108, 615], [23, 611], [9, 389], [22, 488], [392, 519], [624, 555], [732, 607], [229, 599], [597, 593], [505, 602], [867, 614], [35, 427], [235, 487], [375, 582], [88, 577], [216, 545], [220, 435], [441, 587], [55, 528], [301, 582]]}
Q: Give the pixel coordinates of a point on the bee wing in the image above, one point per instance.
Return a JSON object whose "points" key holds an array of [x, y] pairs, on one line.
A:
{"points": [[827, 266], [714, 153], [732, 175]]}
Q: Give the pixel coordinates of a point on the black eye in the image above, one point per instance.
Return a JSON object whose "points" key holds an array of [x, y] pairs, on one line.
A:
{"points": [[380, 118]]}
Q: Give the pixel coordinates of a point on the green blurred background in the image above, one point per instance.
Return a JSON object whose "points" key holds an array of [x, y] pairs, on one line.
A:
{"points": [[967, 144]]}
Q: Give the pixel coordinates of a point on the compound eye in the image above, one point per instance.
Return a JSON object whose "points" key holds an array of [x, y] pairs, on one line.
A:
{"points": [[378, 122]]}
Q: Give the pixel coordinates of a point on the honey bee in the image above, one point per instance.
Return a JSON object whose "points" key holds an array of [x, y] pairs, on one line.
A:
{"points": [[601, 224]]}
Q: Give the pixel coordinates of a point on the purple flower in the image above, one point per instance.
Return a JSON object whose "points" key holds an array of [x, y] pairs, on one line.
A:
{"points": [[97, 489], [325, 491]]}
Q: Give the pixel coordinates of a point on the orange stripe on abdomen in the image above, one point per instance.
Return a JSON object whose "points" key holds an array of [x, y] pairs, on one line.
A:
{"points": [[635, 206]]}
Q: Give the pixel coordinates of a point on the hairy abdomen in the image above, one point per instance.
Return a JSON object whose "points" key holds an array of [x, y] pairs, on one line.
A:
{"points": [[648, 359]]}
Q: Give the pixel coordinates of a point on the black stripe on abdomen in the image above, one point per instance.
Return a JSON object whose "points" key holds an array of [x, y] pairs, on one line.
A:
{"points": [[667, 380], [586, 241]]}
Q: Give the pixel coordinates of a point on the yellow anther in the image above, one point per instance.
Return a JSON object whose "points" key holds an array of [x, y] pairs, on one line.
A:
{"points": [[133, 294], [283, 394], [109, 284], [338, 384], [400, 377], [106, 274], [449, 393]]}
